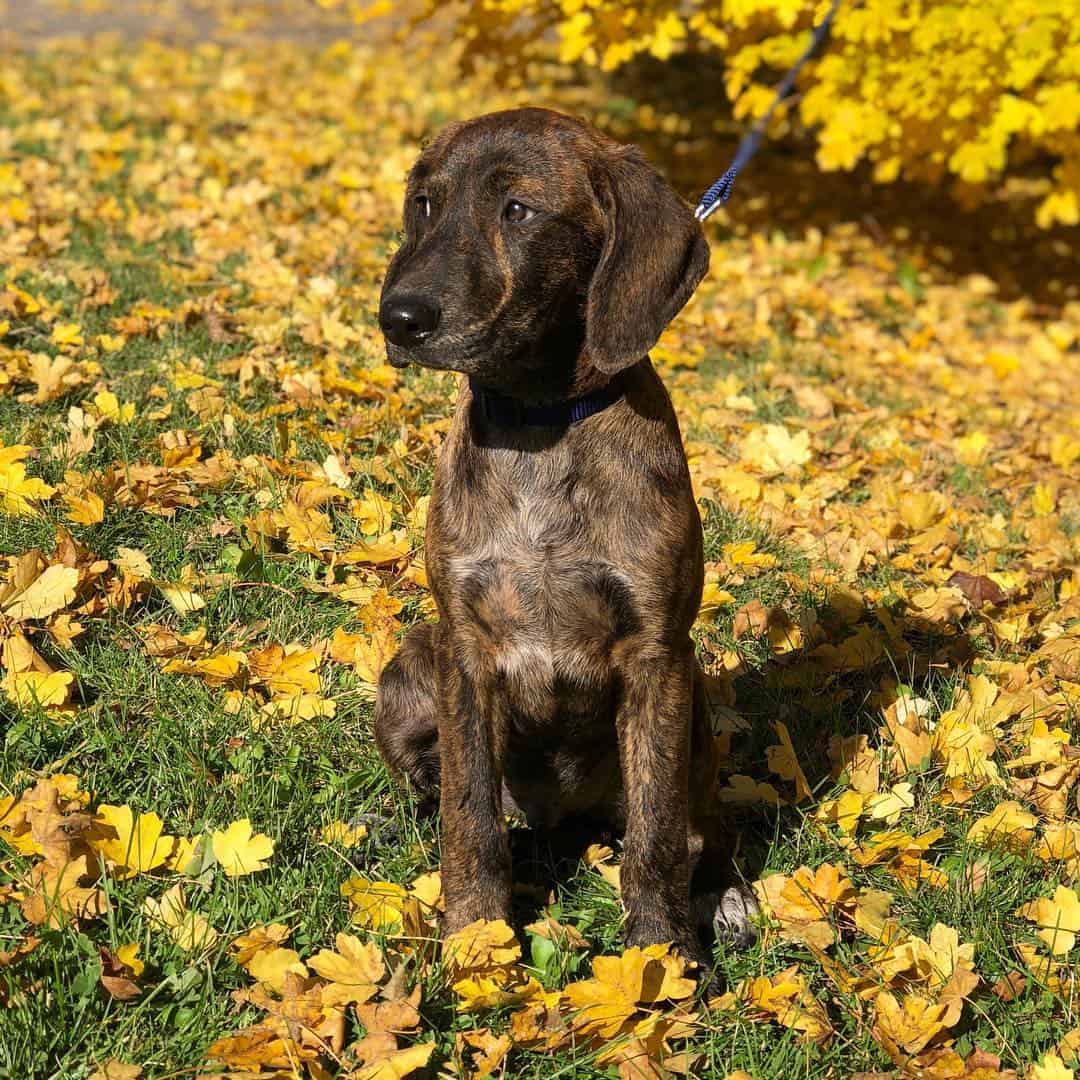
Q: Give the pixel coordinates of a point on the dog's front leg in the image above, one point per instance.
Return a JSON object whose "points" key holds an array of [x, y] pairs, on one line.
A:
{"points": [[475, 851], [654, 744]]}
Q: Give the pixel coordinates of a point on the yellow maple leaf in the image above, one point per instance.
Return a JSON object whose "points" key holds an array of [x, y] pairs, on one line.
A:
{"points": [[343, 834], [110, 409], [353, 971], [307, 530], [132, 846], [368, 654], [272, 966], [483, 957], [490, 1049], [736, 483], [427, 890], [1060, 842], [190, 930], [605, 1004], [86, 508], [115, 1069], [745, 789], [110, 342], [1043, 500], [804, 902], [286, 670], [183, 599], [785, 763], [599, 857], [479, 992], [871, 913], [845, 811], [783, 998], [854, 756], [932, 961], [1064, 449], [49, 592], [217, 669], [712, 599], [49, 691], [373, 513], [1008, 824], [905, 1029], [182, 858], [133, 562], [1058, 919], [1050, 1068], [920, 509], [247, 945], [54, 894], [239, 851], [128, 955], [971, 449], [888, 806], [396, 1064], [262, 1046], [772, 449], [66, 334], [481, 944], [745, 554], [386, 548], [383, 906]]}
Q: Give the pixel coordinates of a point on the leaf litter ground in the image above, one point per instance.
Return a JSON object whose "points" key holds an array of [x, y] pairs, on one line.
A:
{"points": [[213, 505]]}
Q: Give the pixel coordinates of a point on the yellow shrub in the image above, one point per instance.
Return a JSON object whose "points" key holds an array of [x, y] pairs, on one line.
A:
{"points": [[964, 89]]}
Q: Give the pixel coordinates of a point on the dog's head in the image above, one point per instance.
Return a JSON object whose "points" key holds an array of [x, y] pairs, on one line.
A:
{"points": [[535, 248]]}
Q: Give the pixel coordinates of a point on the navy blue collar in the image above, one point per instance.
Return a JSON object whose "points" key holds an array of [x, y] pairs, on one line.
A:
{"points": [[509, 412]]}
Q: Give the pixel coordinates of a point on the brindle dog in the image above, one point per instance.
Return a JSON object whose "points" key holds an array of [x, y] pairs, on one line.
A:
{"points": [[543, 260]]}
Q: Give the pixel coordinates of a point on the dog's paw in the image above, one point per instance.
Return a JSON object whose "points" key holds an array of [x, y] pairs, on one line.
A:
{"points": [[733, 919], [380, 830]]}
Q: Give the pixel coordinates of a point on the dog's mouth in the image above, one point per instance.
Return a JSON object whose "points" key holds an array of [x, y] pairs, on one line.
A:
{"points": [[419, 355], [399, 356], [440, 352]]}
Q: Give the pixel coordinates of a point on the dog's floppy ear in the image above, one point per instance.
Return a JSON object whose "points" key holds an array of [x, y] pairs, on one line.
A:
{"points": [[653, 257]]}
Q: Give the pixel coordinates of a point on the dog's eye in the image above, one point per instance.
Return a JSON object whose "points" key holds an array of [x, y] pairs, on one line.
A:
{"points": [[516, 212], [423, 206]]}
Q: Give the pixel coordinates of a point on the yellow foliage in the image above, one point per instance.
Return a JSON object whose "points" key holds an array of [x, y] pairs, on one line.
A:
{"points": [[784, 999], [954, 90]]}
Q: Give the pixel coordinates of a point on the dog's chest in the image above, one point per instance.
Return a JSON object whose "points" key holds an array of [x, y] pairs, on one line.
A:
{"points": [[536, 599]]}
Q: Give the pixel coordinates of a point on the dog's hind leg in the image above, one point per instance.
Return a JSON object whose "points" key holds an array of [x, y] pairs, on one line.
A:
{"points": [[722, 907], [406, 724]]}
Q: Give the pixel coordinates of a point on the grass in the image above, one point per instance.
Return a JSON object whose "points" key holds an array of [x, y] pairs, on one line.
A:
{"points": [[168, 744]]}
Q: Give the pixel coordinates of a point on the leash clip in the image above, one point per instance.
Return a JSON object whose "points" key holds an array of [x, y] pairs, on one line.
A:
{"points": [[720, 191]]}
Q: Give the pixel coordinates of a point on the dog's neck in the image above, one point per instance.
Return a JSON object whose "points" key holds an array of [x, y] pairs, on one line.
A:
{"points": [[510, 412]]}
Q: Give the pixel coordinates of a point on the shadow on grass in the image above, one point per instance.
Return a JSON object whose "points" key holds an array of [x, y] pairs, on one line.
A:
{"points": [[819, 704], [783, 188]]}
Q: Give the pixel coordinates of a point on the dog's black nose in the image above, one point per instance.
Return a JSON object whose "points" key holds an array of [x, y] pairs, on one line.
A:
{"points": [[405, 320]]}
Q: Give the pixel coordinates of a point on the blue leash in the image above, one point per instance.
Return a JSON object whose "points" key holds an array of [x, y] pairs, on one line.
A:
{"points": [[721, 190]]}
